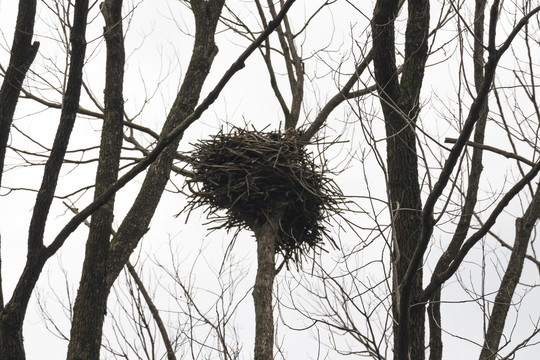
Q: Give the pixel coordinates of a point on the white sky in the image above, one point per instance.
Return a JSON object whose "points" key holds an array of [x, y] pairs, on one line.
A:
{"points": [[159, 51]]}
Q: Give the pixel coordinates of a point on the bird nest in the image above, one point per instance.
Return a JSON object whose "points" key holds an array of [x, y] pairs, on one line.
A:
{"points": [[245, 176]]}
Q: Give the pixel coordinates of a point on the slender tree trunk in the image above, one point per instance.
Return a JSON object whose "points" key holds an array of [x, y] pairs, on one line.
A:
{"points": [[23, 53], [434, 319], [434, 311], [503, 300], [12, 315], [265, 234], [91, 301]]}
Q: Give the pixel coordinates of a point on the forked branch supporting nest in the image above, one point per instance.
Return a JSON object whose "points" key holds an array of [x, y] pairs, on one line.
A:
{"points": [[252, 175]]}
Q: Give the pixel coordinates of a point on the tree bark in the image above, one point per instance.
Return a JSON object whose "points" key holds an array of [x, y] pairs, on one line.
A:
{"points": [[400, 105], [91, 301], [435, 329], [23, 53], [104, 261], [265, 234], [12, 316], [137, 221]]}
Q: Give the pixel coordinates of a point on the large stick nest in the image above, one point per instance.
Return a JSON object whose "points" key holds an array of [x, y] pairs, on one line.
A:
{"points": [[252, 175]]}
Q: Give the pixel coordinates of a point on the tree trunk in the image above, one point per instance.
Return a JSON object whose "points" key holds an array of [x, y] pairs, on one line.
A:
{"points": [[104, 261], [400, 105], [12, 315], [22, 56], [265, 234], [136, 222], [524, 228], [435, 330], [11, 338], [463, 226], [91, 301]]}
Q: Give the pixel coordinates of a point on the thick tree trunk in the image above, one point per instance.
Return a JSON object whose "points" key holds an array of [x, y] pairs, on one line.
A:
{"points": [[104, 261], [91, 301], [265, 234], [400, 105], [11, 338], [12, 315]]}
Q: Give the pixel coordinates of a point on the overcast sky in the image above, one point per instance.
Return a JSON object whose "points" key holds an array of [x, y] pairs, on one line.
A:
{"points": [[158, 45]]}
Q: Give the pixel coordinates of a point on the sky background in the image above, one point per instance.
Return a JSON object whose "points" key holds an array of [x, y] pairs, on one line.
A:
{"points": [[158, 47]]}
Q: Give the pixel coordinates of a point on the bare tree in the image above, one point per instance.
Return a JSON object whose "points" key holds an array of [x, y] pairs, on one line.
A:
{"points": [[398, 70], [105, 259], [13, 312], [23, 52], [431, 209]]}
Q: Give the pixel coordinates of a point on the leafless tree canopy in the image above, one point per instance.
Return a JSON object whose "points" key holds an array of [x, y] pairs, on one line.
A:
{"points": [[383, 155]]}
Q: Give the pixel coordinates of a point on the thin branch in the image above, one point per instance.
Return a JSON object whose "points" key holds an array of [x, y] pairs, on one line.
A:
{"points": [[439, 278], [343, 94], [153, 310], [495, 150]]}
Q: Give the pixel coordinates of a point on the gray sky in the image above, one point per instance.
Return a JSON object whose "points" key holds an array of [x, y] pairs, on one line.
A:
{"points": [[158, 50]]}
